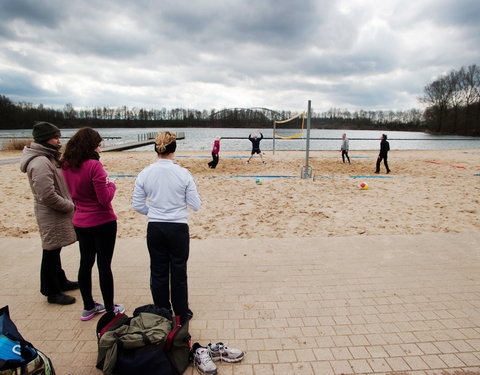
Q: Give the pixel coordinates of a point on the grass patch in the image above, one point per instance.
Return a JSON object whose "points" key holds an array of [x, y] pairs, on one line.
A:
{"points": [[15, 144]]}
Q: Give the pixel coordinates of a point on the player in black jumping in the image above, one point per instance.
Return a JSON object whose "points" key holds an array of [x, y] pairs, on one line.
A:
{"points": [[255, 146]]}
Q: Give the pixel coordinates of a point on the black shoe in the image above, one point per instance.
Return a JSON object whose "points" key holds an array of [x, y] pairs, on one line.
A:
{"points": [[377, 172], [61, 299], [388, 171], [70, 285]]}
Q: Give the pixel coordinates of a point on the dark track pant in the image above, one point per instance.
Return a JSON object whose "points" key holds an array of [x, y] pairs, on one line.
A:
{"points": [[214, 162], [345, 153], [52, 276], [379, 160], [168, 245], [96, 242]]}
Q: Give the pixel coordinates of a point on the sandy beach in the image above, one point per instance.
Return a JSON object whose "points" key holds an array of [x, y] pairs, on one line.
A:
{"points": [[427, 191]]}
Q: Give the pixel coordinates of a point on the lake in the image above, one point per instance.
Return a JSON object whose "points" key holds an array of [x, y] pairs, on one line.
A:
{"points": [[202, 139]]}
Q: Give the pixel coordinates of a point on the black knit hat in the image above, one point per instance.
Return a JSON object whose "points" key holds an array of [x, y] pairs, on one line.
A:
{"points": [[43, 131]]}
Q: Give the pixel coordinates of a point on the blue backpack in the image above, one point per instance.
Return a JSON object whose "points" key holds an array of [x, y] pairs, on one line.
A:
{"points": [[18, 356]]}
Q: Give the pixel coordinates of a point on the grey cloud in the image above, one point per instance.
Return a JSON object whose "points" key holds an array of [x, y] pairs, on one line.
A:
{"points": [[48, 14], [363, 95], [73, 27], [237, 27], [214, 50], [461, 13], [15, 14], [20, 87]]}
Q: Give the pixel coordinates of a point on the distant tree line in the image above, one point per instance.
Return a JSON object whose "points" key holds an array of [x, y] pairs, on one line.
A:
{"points": [[22, 116], [409, 120], [453, 102], [452, 107]]}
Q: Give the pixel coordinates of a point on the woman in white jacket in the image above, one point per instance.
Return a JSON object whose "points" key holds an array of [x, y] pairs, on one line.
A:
{"points": [[163, 191]]}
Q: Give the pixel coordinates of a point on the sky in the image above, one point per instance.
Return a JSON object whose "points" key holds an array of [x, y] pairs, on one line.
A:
{"points": [[215, 54]]}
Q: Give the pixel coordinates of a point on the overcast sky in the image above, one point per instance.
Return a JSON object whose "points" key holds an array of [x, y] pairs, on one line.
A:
{"points": [[368, 54]]}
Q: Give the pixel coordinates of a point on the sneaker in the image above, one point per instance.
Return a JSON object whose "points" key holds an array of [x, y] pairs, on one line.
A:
{"points": [[119, 309], [89, 314], [203, 361], [219, 351]]}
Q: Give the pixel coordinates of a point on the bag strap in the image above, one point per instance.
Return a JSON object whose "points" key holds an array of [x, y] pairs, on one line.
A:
{"points": [[111, 324], [173, 332], [145, 338]]}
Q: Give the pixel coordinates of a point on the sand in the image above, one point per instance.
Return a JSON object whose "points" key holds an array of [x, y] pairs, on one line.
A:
{"points": [[427, 192]]}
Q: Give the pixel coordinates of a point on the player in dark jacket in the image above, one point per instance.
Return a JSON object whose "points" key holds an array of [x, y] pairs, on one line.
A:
{"points": [[384, 148]]}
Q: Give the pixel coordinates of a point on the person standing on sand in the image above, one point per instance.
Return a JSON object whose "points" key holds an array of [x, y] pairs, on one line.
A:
{"points": [[94, 220], [255, 146], [344, 148], [215, 150], [384, 148], [163, 191], [53, 209]]}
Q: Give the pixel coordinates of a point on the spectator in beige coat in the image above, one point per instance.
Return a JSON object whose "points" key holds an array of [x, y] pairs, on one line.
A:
{"points": [[53, 209]]}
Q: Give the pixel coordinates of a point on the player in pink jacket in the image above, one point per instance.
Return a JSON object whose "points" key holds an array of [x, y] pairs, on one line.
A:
{"points": [[94, 220]]}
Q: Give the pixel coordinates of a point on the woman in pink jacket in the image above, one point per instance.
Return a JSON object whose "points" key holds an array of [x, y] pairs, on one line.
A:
{"points": [[94, 220]]}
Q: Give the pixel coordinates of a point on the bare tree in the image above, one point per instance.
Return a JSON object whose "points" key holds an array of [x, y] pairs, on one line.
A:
{"points": [[470, 82], [437, 95]]}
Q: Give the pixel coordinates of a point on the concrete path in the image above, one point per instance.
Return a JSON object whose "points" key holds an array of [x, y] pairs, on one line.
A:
{"points": [[9, 161], [330, 306]]}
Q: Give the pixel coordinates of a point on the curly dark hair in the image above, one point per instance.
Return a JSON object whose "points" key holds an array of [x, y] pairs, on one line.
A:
{"points": [[81, 147]]}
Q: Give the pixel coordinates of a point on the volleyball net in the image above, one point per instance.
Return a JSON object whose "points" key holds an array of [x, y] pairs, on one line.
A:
{"points": [[290, 128]]}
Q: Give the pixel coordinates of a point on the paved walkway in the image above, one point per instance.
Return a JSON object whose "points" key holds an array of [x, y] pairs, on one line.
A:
{"points": [[356, 305], [9, 161]]}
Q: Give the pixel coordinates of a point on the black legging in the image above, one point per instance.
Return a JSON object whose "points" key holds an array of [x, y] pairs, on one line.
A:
{"points": [[99, 242], [345, 153]]}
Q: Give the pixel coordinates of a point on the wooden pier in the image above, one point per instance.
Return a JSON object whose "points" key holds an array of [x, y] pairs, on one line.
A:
{"points": [[128, 146], [143, 140]]}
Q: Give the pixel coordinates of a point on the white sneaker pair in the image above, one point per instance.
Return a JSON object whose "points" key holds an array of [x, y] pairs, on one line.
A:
{"points": [[204, 357], [219, 351]]}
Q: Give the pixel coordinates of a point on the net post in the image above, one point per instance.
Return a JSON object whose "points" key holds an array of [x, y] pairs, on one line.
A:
{"points": [[307, 169], [274, 132]]}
